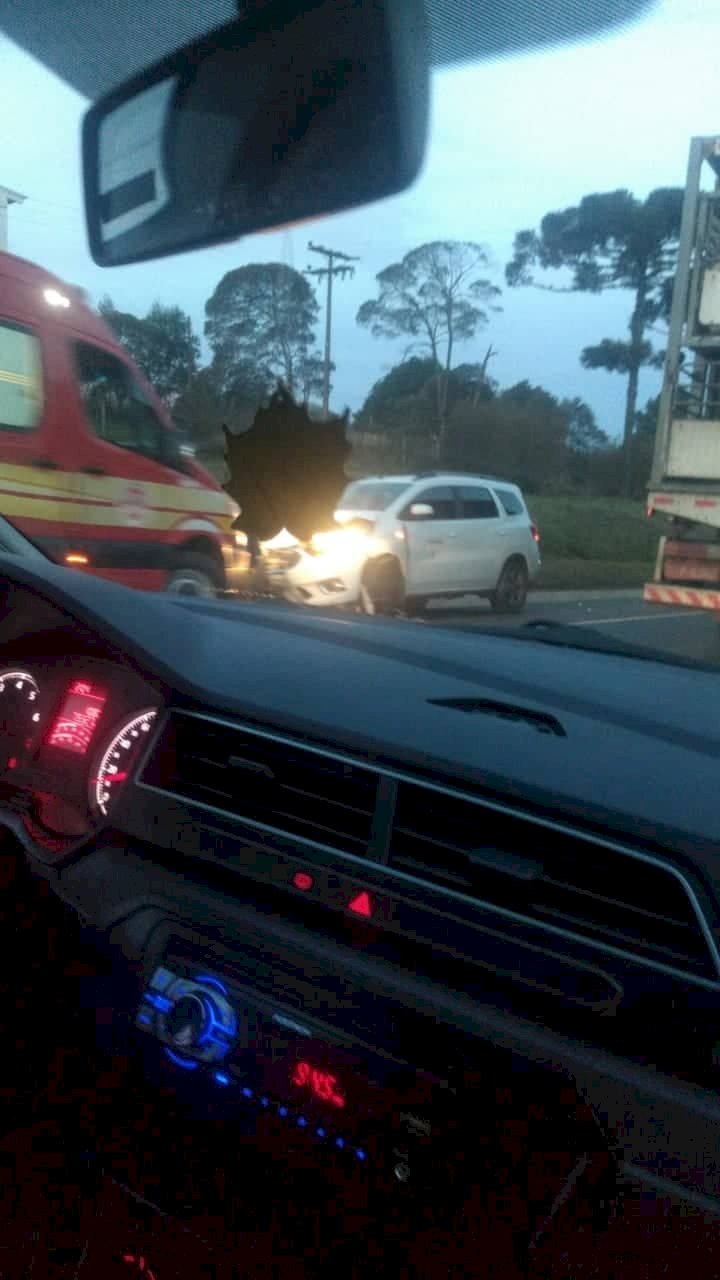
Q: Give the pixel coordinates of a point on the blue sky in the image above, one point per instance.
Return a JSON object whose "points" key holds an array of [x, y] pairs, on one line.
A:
{"points": [[509, 140]]}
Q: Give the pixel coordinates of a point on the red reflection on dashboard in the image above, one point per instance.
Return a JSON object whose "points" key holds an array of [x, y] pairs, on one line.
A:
{"points": [[76, 721], [138, 1264], [59, 815], [322, 1084]]}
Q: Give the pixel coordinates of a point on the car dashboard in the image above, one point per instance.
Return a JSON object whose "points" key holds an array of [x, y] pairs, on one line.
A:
{"points": [[371, 899]]}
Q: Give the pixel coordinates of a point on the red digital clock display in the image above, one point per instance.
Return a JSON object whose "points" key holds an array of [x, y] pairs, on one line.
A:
{"points": [[76, 721], [322, 1085]]}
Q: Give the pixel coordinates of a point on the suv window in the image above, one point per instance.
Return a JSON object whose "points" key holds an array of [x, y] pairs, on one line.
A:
{"points": [[441, 497], [477, 503], [20, 378], [511, 502], [117, 408]]}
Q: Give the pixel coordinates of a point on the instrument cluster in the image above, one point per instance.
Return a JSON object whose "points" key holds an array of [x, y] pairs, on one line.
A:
{"points": [[71, 735]]}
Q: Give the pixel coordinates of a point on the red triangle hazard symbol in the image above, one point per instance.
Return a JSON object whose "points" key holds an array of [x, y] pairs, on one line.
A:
{"points": [[361, 905]]}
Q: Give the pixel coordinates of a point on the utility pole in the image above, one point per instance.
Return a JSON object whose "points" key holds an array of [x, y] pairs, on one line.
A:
{"points": [[7, 197], [489, 355], [341, 269]]}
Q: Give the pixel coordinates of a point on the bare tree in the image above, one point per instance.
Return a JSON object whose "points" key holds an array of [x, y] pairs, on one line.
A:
{"points": [[438, 297]]}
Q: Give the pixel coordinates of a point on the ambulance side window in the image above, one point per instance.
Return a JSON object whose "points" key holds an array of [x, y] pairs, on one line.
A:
{"points": [[116, 406], [21, 389]]}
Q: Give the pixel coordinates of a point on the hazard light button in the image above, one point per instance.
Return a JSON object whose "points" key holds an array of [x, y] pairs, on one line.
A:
{"points": [[361, 904], [364, 905]]}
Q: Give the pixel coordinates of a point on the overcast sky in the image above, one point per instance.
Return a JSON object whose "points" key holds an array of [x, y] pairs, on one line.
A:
{"points": [[509, 141]]}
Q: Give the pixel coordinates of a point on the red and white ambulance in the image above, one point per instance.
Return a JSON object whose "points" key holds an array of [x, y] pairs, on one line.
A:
{"points": [[91, 467]]}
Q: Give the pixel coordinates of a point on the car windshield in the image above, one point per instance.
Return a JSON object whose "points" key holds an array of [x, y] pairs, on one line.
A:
{"points": [[507, 316], [370, 496]]}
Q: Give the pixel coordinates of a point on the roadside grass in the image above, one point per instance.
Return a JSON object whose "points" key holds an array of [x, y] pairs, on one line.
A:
{"points": [[594, 542], [558, 574]]}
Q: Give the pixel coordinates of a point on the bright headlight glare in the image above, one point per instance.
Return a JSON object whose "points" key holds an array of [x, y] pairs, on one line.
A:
{"points": [[346, 543]]}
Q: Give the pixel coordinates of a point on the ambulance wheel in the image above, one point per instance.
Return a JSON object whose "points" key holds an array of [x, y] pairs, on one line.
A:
{"points": [[196, 575]]}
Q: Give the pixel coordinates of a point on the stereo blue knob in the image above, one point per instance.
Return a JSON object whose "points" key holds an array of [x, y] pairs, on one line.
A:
{"points": [[187, 1022], [194, 1018]]}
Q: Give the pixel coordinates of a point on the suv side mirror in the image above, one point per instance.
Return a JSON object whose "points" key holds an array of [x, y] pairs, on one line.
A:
{"points": [[421, 511]]}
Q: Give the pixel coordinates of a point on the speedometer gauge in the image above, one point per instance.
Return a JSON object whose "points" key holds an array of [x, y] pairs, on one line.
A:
{"points": [[19, 713], [118, 761]]}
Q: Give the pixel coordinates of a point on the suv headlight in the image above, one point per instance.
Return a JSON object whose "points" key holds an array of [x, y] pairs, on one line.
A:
{"points": [[344, 545]]}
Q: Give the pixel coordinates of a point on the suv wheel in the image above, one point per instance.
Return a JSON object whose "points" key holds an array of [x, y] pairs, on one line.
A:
{"points": [[415, 606], [382, 587], [511, 591]]}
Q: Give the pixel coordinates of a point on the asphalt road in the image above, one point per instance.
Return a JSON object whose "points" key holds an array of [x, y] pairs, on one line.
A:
{"points": [[623, 615]]}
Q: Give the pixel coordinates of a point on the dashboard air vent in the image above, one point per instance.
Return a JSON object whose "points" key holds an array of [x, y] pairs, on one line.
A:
{"points": [[266, 780], [572, 883], [567, 881]]}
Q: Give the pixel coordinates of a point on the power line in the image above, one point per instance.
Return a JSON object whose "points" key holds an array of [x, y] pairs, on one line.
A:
{"points": [[56, 204], [49, 218], [342, 269]]}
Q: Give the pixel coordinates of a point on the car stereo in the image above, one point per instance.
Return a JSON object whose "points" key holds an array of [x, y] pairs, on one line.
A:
{"points": [[353, 1098], [271, 1068]]}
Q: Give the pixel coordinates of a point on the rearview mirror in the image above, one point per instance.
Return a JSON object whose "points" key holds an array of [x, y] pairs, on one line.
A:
{"points": [[299, 108], [422, 511]]}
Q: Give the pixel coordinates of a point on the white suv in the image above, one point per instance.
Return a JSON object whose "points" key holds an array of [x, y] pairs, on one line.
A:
{"points": [[403, 540]]}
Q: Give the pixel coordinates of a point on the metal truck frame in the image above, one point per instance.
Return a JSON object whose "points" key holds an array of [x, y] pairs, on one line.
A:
{"points": [[685, 477]]}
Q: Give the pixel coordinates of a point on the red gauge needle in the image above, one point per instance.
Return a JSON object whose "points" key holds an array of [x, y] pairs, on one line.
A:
{"points": [[115, 777]]}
